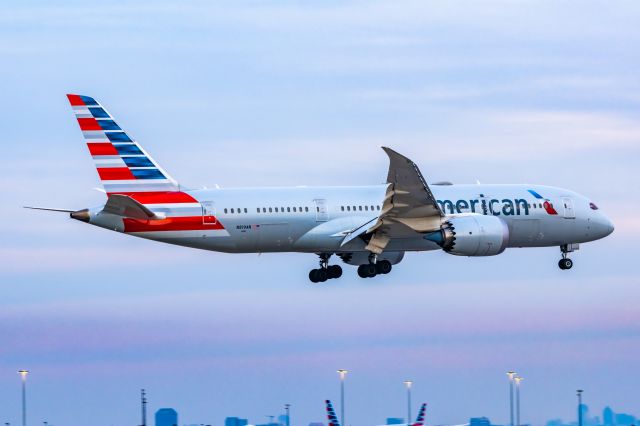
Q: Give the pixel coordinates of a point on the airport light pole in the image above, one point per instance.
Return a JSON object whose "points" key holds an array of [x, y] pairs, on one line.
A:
{"points": [[579, 393], [408, 384], [511, 375], [342, 372], [286, 408], [23, 375], [517, 380]]}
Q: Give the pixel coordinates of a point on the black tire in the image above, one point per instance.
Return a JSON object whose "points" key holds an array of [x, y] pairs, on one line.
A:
{"points": [[565, 264], [362, 272], [383, 267], [313, 276], [370, 269], [322, 275], [335, 271]]}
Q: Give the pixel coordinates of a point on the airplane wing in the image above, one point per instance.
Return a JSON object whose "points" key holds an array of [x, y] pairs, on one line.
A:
{"points": [[409, 205], [125, 206]]}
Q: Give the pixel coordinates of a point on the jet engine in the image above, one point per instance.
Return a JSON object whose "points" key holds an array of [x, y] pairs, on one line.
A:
{"points": [[472, 235]]}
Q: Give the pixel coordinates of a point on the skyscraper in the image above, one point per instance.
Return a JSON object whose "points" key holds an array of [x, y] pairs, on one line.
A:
{"points": [[166, 417]]}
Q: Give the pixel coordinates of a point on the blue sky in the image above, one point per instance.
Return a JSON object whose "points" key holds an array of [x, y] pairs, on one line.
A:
{"points": [[287, 93]]}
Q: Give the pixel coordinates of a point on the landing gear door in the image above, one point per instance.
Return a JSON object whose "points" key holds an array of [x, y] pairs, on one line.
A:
{"points": [[569, 213], [322, 213], [208, 213]]}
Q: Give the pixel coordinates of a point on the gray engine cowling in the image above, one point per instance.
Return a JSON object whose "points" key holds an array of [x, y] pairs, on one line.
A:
{"points": [[472, 235]]}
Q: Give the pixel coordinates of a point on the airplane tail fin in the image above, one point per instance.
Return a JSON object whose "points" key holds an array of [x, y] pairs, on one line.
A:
{"points": [[331, 414], [420, 418], [123, 165]]}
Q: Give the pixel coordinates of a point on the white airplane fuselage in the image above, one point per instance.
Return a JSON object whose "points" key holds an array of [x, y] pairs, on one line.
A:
{"points": [[316, 219]]}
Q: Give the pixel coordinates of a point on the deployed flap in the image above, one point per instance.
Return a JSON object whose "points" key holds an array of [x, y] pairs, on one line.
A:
{"points": [[125, 206], [409, 205]]}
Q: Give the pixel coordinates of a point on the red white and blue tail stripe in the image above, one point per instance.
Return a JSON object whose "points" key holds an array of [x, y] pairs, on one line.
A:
{"points": [[420, 418], [126, 169], [122, 164], [331, 414]]}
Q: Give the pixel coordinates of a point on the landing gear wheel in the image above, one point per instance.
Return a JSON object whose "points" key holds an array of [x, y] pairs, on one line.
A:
{"points": [[565, 263], [322, 275], [383, 267], [334, 271], [313, 276], [368, 270]]}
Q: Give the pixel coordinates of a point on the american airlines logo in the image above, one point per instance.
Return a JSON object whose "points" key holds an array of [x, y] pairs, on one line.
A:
{"points": [[497, 207]]}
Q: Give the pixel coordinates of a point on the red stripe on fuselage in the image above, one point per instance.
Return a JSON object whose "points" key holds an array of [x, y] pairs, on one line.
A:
{"points": [[102, 149], [159, 197], [75, 100], [89, 124], [115, 173], [188, 223]]}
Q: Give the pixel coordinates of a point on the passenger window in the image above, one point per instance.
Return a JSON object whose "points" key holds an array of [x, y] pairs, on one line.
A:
{"points": [[282, 209], [270, 210], [264, 210], [276, 210], [306, 209], [366, 208], [239, 209], [372, 208], [342, 208], [348, 208], [318, 209], [294, 209], [288, 209], [378, 207], [360, 208], [258, 209], [225, 211]]}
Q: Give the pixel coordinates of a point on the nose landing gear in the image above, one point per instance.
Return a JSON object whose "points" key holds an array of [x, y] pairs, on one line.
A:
{"points": [[326, 271], [566, 263]]}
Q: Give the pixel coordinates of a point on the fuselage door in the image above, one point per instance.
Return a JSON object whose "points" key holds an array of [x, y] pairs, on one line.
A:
{"points": [[322, 213], [569, 213], [208, 213]]}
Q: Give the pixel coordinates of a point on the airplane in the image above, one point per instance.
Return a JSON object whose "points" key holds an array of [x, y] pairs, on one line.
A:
{"points": [[333, 419], [371, 227], [419, 419]]}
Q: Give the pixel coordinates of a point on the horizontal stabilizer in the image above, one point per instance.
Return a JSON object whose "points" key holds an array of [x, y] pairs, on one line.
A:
{"points": [[125, 206]]}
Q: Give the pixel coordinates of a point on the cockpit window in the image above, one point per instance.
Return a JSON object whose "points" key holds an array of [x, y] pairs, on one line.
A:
{"points": [[593, 206]]}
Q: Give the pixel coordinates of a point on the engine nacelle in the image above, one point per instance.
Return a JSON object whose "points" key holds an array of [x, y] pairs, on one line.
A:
{"points": [[472, 235]]}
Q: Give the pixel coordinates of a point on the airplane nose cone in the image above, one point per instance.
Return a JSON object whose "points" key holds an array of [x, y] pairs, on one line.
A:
{"points": [[609, 226], [604, 227]]}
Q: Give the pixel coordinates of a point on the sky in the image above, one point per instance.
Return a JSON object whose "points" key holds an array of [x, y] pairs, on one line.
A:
{"points": [[245, 93]]}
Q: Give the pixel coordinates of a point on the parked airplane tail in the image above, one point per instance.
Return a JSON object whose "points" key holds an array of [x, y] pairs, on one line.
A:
{"points": [[331, 414], [420, 418], [123, 165]]}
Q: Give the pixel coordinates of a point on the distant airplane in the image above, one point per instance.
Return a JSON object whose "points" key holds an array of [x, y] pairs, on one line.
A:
{"points": [[333, 419], [368, 226], [419, 420]]}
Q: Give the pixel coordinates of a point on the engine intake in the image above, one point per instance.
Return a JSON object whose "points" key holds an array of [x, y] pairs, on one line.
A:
{"points": [[472, 235]]}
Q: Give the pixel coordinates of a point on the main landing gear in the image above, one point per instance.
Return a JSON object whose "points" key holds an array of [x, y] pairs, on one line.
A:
{"points": [[326, 271], [566, 263], [374, 267]]}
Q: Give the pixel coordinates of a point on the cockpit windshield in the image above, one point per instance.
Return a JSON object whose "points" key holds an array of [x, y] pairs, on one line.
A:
{"points": [[593, 206]]}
